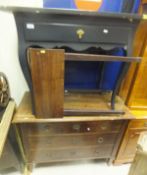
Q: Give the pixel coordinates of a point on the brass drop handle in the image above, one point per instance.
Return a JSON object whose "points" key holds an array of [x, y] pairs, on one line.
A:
{"points": [[75, 141], [46, 128], [97, 151], [76, 127], [80, 33], [135, 134], [72, 153], [103, 127], [100, 140], [49, 141]]}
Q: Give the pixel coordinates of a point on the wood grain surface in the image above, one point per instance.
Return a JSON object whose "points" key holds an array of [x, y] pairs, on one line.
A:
{"points": [[91, 57], [47, 72], [24, 112]]}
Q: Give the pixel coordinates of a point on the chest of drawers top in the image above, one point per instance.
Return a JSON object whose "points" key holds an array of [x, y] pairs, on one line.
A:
{"points": [[24, 114]]}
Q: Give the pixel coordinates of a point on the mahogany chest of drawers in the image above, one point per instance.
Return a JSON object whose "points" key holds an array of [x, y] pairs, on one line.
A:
{"points": [[50, 142], [67, 138]]}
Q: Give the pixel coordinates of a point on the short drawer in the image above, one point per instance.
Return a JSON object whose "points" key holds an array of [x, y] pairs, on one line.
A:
{"points": [[51, 142], [138, 124], [69, 154], [70, 128]]}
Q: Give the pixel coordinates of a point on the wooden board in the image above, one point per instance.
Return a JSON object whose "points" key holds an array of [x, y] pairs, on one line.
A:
{"points": [[85, 103], [47, 72], [91, 57], [24, 111], [138, 96], [5, 124], [139, 45]]}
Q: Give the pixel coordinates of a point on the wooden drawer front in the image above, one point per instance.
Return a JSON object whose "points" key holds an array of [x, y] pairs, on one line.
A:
{"points": [[138, 124], [51, 142], [69, 33], [69, 128], [131, 143], [70, 154]]}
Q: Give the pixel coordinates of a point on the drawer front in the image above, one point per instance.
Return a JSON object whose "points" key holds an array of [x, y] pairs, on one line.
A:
{"points": [[75, 33], [51, 142], [69, 154], [131, 144], [138, 124], [43, 129]]}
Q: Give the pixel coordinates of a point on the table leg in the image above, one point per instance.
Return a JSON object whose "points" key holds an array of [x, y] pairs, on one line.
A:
{"points": [[121, 76]]}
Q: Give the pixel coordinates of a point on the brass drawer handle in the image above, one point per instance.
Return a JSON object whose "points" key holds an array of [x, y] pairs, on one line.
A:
{"points": [[80, 33], [46, 128], [100, 140], [49, 141], [76, 127], [72, 153], [103, 127], [97, 151], [75, 141], [135, 134]]}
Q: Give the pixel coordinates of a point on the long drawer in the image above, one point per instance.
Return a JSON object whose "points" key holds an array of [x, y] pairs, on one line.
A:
{"points": [[57, 142], [42, 129], [70, 154], [70, 33]]}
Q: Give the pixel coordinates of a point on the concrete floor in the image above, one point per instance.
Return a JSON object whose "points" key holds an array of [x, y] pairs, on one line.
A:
{"points": [[79, 168]]}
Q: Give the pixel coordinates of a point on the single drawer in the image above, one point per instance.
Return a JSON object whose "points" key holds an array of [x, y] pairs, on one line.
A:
{"points": [[48, 32], [69, 154], [70, 128], [54, 142], [138, 124]]}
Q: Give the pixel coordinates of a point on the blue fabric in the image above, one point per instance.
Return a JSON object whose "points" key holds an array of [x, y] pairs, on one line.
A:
{"points": [[86, 75], [81, 75], [136, 6], [112, 70]]}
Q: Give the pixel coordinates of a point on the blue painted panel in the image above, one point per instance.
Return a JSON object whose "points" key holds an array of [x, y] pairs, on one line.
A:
{"points": [[57, 4], [111, 6], [107, 5]]}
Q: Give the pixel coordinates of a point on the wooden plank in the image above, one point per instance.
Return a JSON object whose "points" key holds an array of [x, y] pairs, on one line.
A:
{"points": [[138, 95], [76, 112], [138, 51], [24, 112], [5, 124], [91, 57], [47, 72]]}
